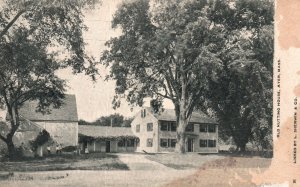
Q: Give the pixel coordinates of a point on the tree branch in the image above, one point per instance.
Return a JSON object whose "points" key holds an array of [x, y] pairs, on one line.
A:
{"points": [[3, 138], [164, 96], [171, 81], [4, 31]]}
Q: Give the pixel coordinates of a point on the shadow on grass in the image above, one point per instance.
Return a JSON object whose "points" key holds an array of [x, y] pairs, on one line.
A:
{"points": [[94, 161], [196, 161], [246, 154]]}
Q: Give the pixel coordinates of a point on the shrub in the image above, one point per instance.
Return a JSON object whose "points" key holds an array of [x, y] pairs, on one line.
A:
{"points": [[69, 149], [40, 140]]}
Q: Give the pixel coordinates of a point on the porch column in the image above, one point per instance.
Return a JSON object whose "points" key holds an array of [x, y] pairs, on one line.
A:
{"points": [[94, 145]]}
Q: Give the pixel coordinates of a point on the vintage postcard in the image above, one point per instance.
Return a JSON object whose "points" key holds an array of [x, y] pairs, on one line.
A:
{"points": [[150, 93]]}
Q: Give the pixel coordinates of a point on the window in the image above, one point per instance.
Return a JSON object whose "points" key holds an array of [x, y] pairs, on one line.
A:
{"points": [[149, 126], [190, 128], [164, 126], [203, 143], [121, 143], [163, 142], [167, 143], [137, 128], [207, 143], [211, 143], [143, 113], [203, 127], [173, 126], [211, 128], [173, 142], [149, 142], [130, 143], [207, 128], [168, 126]]}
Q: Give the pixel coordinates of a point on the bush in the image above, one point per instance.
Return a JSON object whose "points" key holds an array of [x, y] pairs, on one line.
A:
{"points": [[3, 151], [69, 149], [232, 149], [40, 140]]}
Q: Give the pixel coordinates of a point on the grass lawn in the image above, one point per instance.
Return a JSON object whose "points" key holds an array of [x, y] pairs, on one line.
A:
{"points": [[195, 161], [93, 161]]}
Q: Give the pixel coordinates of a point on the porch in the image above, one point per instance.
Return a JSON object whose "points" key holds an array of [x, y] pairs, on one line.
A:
{"points": [[107, 145], [106, 139]]}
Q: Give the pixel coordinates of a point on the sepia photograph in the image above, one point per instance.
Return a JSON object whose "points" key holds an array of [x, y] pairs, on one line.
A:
{"points": [[147, 93]]}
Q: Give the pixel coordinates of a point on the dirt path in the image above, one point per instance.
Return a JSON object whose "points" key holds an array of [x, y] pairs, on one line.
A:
{"points": [[139, 162], [142, 173]]}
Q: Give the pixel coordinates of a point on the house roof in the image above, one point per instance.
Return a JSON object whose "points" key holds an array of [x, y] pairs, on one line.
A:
{"points": [[105, 131], [169, 115], [66, 112]]}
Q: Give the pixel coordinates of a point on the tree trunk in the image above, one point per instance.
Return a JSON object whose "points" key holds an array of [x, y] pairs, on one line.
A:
{"points": [[11, 148], [15, 123], [241, 139], [243, 148], [183, 108], [182, 123], [180, 145]]}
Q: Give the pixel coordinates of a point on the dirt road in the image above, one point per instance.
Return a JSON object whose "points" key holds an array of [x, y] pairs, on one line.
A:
{"points": [[139, 162], [142, 172]]}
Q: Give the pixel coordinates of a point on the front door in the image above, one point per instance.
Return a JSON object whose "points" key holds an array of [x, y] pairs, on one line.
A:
{"points": [[107, 146], [190, 145]]}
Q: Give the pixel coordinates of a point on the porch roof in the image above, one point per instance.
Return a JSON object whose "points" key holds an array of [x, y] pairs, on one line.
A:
{"points": [[104, 132]]}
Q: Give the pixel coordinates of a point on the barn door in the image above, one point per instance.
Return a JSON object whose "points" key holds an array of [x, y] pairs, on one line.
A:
{"points": [[107, 146]]}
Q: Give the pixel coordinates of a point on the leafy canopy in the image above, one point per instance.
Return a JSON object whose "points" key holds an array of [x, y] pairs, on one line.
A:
{"points": [[58, 23], [210, 55], [164, 52], [37, 38], [241, 96]]}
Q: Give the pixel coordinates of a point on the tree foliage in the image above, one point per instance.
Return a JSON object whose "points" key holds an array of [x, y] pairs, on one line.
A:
{"points": [[42, 138], [114, 120], [162, 53], [241, 96], [198, 54], [37, 38], [59, 23]]}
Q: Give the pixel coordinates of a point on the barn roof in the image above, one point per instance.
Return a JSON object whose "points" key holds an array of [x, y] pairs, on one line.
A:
{"points": [[66, 112], [169, 115], [105, 131]]}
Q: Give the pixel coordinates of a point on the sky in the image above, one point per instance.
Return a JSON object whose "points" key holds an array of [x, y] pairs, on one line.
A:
{"points": [[95, 99]]}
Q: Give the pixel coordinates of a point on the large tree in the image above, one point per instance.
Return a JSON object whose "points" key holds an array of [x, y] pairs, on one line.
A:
{"points": [[37, 39], [241, 96], [166, 51], [177, 50]]}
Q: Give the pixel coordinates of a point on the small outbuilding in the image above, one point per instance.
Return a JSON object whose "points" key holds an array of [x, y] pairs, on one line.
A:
{"points": [[61, 124], [106, 139]]}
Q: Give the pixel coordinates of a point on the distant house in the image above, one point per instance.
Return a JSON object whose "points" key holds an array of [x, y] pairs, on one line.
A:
{"points": [[61, 123], [157, 132], [106, 139]]}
